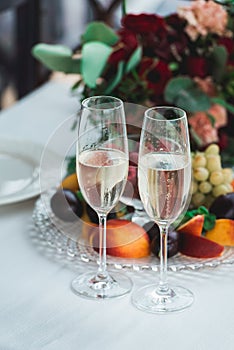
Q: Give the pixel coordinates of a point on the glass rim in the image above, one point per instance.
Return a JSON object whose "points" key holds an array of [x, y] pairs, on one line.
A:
{"points": [[184, 115], [116, 99]]}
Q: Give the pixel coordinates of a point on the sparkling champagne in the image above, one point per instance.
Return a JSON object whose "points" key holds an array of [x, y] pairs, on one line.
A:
{"points": [[102, 176], [164, 181]]}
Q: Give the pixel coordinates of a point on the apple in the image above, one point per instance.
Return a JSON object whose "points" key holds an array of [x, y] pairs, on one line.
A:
{"points": [[193, 226], [198, 246]]}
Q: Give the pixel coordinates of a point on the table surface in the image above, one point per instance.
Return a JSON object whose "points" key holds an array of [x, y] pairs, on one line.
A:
{"points": [[37, 307]]}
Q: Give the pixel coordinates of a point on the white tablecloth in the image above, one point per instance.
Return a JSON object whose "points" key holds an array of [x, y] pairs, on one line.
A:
{"points": [[37, 307]]}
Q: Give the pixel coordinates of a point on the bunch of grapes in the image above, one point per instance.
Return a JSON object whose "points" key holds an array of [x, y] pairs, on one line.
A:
{"points": [[210, 180]]}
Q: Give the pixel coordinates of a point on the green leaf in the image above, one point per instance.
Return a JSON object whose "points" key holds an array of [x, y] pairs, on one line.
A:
{"points": [[71, 165], [79, 195], [223, 103], [124, 10], [202, 210], [93, 61], [116, 79], [98, 31], [184, 93], [134, 59], [209, 222], [56, 58], [76, 85], [173, 66], [212, 119], [218, 60]]}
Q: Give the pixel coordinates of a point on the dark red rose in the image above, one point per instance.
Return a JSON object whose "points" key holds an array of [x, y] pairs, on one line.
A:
{"points": [[228, 43], [223, 140], [177, 40], [124, 48], [143, 23], [175, 21], [196, 66], [156, 73]]}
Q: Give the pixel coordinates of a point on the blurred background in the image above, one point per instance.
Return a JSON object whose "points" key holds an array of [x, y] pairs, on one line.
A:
{"points": [[26, 22]]}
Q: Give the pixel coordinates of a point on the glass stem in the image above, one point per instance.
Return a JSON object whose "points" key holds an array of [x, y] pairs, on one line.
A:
{"points": [[102, 271], [163, 285]]}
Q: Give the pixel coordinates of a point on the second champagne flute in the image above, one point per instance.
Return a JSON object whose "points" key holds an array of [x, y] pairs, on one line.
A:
{"points": [[164, 177], [102, 169]]}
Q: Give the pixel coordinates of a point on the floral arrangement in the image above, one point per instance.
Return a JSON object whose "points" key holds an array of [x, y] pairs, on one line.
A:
{"points": [[185, 59]]}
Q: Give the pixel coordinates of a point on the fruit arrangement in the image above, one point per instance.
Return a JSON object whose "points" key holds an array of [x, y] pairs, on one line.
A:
{"points": [[210, 180], [203, 233]]}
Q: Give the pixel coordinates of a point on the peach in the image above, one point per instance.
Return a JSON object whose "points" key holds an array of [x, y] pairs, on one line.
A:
{"points": [[194, 226], [124, 239], [222, 232], [199, 247], [70, 182]]}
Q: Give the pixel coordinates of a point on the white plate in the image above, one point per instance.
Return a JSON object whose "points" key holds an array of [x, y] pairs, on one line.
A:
{"points": [[19, 170]]}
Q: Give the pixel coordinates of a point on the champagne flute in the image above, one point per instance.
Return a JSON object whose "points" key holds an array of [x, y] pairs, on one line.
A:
{"points": [[131, 196], [164, 178], [102, 169]]}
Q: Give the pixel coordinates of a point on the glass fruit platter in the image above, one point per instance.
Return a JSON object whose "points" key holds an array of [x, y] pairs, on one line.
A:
{"points": [[66, 240]]}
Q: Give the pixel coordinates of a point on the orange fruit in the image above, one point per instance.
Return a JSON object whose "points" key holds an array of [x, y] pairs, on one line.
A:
{"points": [[70, 182], [222, 232]]}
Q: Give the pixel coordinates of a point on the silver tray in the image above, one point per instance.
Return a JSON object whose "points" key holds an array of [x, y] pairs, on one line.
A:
{"points": [[59, 237]]}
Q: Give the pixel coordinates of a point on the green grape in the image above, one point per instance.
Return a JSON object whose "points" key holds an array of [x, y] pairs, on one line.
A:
{"points": [[213, 162], [209, 200], [219, 190], [198, 199], [216, 178], [227, 175], [205, 187], [201, 174], [194, 187], [199, 160], [212, 149]]}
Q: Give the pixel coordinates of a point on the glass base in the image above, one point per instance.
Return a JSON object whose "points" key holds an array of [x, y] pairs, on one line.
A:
{"points": [[101, 287], [150, 299]]}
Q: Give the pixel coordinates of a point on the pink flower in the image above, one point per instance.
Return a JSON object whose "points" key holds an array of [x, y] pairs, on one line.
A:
{"points": [[203, 126], [206, 85], [219, 113], [204, 17]]}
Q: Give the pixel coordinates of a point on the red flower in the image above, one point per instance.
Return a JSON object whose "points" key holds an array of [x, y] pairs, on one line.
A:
{"points": [[124, 48], [156, 73], [196, 66], [143, 23]]}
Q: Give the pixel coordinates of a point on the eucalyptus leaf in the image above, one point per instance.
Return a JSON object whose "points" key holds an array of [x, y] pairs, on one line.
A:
{"points": [[93, 61], [98, 31], [218, 60], [56, 58], [180, 83], [223, 103], [113, 83], [184, 93], [134, 60], [212, 119]]}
